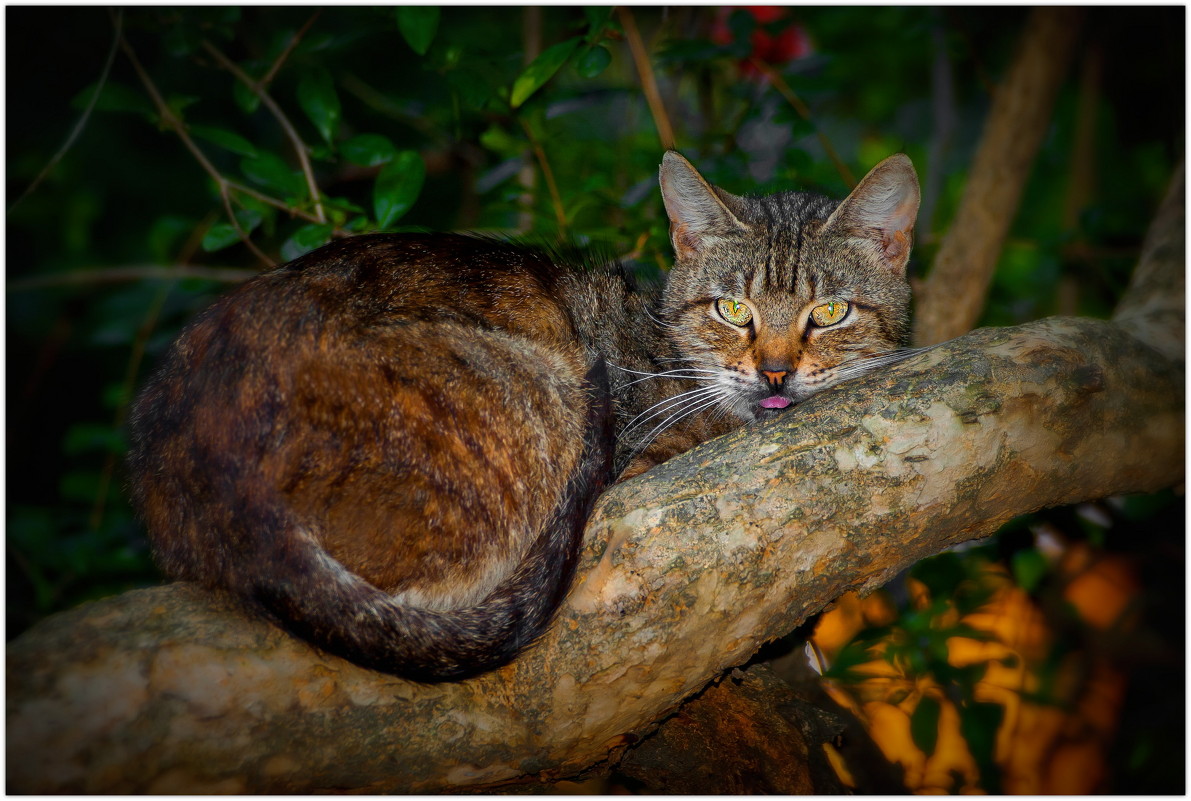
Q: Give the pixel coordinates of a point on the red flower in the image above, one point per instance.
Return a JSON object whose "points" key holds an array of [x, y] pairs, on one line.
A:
{"points": [[788, 43]]}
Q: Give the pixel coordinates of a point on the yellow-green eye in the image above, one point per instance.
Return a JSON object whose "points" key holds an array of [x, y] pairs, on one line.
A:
{"points": [[733, 311], [829, 313]]}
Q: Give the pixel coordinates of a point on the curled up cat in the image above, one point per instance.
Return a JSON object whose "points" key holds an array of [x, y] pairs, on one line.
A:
{"points": [[390, 446]]}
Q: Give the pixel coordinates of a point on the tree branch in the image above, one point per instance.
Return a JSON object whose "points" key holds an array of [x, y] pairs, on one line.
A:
{"points": [[687, 570], [1154, 304], [118, 24], [951, 298], [112, 275], [224, 185], [649, 84]]}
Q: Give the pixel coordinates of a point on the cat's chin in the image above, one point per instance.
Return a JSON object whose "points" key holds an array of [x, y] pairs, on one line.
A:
{"points": [[768, 413], [754, 411]]}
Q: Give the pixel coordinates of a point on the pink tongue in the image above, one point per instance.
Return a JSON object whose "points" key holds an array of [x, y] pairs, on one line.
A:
{"points": [[775, 402]]}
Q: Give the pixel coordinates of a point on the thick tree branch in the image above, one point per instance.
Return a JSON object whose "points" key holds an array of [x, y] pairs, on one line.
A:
{"points": [[687, 570], [951, 298], [1154, 304]]}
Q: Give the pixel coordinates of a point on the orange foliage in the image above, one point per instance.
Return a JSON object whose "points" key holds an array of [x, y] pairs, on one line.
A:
{"points": [[1055, 732]]}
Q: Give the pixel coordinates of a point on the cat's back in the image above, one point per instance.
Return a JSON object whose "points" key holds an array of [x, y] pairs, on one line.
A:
{"points": [[415, 405], [380, 279]]}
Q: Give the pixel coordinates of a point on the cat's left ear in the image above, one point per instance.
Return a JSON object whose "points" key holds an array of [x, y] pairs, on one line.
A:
{"points": [[881, 210]]}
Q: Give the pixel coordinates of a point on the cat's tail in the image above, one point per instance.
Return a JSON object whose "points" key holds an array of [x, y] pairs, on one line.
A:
{"points": [[318, 599]]}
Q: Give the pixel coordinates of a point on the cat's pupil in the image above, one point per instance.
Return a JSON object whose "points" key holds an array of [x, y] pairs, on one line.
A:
{"points": [[734, 311]]}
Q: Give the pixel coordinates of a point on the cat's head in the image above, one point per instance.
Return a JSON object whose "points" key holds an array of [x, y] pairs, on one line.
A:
{"points": [[774, 298]]}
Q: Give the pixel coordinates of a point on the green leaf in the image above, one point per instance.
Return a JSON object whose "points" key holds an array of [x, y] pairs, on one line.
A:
{"points": [[225, 139], [271, 171], [79, 485], [597, 17], [418, 25], [924, 724], [968, 632], [541, 70], [317, 96], [979, 723], [115, 97], [163, 236], [501, 142], [221, 235], [115, 395], [368, 150], [941, 574], [181, 39], [397, 187], [89, 437], [248, 100], [178, 103], [851, 655], [305, 239], [593, 62], [1029, 568]]}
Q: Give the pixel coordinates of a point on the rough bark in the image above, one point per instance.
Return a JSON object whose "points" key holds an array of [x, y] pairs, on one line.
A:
{"points": [[1153, 308], [744, 735], [687, 570], [757, 731], [951, 298]]}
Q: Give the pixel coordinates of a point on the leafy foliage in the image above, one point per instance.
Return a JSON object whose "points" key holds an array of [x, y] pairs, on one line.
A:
{"points": [[954, 632]]}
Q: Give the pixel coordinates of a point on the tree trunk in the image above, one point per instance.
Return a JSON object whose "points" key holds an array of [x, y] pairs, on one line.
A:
{"points": [[950, 300], [687, 570]]}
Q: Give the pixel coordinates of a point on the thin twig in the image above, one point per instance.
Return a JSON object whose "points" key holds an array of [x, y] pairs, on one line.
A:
{"points": [[648, 83], [794, 100], [86, 115], [531, 37], [289, 48], [225, 196], [291, 133], [171, 120], [547, 174], [115, 275], [271, 201]]}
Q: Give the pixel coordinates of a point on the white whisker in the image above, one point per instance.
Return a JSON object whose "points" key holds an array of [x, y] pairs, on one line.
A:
{"points": [[662, 323], [692, 373], [662, 406], [696, 406], [683, 359], [863, 364], [655, 375], [707, 376]]}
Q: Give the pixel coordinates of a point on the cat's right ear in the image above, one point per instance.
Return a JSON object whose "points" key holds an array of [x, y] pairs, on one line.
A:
{"points": [[697, 213], [881, 212]]}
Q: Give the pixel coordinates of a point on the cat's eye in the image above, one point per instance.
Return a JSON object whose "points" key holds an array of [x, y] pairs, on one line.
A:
{"points": [[829, 313], [734, 311]]}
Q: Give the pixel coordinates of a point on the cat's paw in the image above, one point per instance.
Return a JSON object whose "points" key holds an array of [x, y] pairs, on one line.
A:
{"points": [[636, 467]]}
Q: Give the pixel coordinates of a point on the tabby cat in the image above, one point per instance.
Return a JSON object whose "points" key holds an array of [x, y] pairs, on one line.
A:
{"points": [[390, 446]]}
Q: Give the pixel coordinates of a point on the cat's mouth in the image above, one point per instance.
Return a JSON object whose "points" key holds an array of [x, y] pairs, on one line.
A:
{"points": [[771, 406]]}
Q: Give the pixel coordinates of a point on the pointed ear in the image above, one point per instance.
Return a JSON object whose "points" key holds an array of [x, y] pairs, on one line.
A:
{"points": [[697, 211], [882, 210]]}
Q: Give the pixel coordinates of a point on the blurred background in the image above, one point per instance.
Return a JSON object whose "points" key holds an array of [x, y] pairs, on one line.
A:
{"points": [[153, 161]]}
